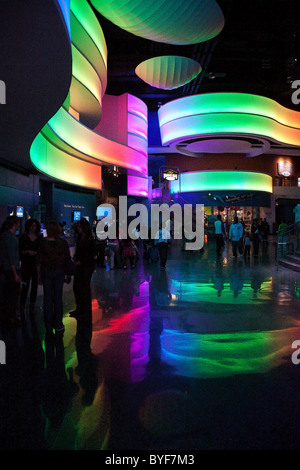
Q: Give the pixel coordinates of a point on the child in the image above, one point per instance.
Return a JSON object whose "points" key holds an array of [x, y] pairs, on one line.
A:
{"points": [[247, 244]]}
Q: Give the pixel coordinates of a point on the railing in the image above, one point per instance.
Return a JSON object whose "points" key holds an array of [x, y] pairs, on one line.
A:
{"points": [[288, 241]]}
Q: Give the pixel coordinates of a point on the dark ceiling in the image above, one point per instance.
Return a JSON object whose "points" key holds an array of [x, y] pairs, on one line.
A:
{"points": [[258, 52]]}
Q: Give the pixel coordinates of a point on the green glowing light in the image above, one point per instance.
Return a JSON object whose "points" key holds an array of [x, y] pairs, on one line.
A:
{"points": [[222, 180]]}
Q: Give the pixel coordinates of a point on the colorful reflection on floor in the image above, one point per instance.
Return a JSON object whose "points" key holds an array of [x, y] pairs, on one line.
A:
{"points": [[197, 356]]}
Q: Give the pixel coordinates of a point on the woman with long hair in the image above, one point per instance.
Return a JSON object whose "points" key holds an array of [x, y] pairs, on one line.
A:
{"points": [[29, 245], [84, 259]]}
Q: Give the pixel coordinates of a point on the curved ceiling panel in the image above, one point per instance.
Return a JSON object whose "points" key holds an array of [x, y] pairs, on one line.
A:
{"points": [[167, 21], [168, 72], [223, 115]]}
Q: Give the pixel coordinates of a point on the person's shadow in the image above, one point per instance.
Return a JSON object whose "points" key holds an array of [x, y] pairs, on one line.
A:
{"points": [[59, 387], [87, 366], [219, 277]]}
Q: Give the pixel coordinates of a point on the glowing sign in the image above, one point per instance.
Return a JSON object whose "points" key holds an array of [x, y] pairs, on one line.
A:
{"points": [[170, 175], [285, 168], [19, 211]]}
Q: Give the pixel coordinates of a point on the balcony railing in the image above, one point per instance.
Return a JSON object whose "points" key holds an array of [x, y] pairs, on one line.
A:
{"points": [[288, 241]]}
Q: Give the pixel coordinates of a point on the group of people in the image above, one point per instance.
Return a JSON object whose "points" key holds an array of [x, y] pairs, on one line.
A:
{"points": [[122, 253], [33, 259], [241, 239]]}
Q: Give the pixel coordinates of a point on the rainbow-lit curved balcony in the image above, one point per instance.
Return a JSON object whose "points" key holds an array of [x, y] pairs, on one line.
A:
{"points": [[212, 121], [69, 147]]}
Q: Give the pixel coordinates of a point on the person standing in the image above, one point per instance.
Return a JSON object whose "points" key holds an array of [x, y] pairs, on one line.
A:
{"points": [[162, 238], [256, 236], [9, 246], [236, 237], [127, 252], [220, 234], [29, 244], [53, 272], [84, 260], [247, 245], [265, 228]]}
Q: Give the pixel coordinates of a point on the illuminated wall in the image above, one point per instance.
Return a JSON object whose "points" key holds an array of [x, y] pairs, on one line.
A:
{"points": [[125, 120], [69, 148]]}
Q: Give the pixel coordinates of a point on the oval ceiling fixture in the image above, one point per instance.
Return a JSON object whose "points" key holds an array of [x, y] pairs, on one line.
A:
{"points": [[219, 146], [167, 21], [168, 72]]}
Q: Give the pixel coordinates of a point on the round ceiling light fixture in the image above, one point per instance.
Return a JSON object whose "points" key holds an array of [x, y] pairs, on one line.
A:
{"points": [[166, 21]]}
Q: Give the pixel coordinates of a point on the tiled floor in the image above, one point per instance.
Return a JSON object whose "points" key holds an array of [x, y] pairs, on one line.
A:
{"points": [[194, 357]]}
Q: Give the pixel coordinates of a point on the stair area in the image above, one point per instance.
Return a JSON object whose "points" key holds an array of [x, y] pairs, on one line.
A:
{"points": [[291, 261]]}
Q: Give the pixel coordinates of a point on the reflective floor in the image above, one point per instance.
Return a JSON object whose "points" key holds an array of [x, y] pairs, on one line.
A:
{"points": [[198, 356]]}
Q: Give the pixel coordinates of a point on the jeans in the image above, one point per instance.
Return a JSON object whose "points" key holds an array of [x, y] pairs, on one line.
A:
{"points": [[282, 243], [82, 289], [237, 244], [219, 243], [163, 253], [29, 272], [11, 294], [255, 245], [53, 283], [247, 250], [114, 255]]}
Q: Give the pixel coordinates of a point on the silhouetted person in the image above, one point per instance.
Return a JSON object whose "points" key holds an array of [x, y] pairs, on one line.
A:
{"points": [[54, 262], [236, 237], [162, 238], [127, 253], [84, 259], [9, 246], [29, 244], [265, 230], [219, 233], [256, 235]]}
